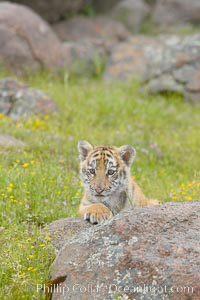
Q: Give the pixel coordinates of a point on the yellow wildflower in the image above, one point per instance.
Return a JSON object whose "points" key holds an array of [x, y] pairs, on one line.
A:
{"points": [[25, 165]]}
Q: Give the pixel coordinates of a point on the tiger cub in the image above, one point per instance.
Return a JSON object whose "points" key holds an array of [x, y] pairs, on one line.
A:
{"points": [[108, 185]]}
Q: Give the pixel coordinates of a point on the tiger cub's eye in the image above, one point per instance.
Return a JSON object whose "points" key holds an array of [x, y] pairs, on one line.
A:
{"points": [[92, 171], [111, 172]]}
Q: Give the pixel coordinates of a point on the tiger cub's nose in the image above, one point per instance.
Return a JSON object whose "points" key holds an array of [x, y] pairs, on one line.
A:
{"points": [[99, 189]]}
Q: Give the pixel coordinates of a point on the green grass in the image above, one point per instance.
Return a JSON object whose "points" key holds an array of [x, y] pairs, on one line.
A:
{"points": [[149, 27], [40, 184]]}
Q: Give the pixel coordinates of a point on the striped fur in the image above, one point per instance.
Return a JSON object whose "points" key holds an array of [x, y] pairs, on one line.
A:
{"points": [[108, 185]]}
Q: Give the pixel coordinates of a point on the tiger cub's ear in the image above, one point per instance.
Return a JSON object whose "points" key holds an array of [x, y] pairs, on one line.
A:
{"points": [[84, 148], [128, 154]]}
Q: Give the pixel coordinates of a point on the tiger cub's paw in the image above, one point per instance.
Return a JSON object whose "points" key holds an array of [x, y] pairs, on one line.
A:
{"points": [[153, 202], [97, 213]]}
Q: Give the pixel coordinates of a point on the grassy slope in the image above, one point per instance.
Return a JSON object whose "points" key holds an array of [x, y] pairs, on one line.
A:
{"points": [[41, 183]]}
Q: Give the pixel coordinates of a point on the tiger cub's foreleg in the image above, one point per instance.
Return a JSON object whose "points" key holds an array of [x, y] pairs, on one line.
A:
{"points": [[95, 213]]}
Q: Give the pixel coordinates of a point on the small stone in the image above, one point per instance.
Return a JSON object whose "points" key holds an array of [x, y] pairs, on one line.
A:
{"points": [[164, 83], [7, 141], [17, 99]]}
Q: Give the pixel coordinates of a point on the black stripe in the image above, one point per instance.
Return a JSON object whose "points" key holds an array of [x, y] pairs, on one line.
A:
{"points": [[109, 155], [95, 155]]}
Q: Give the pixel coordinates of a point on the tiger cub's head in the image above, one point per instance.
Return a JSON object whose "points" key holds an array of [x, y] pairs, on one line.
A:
{"points": [[104, 169]]}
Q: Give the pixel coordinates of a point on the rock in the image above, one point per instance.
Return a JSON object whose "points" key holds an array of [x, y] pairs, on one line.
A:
{"points": [[146, 253], [16, 99], [104, 6], [88, 42], [86, 57], [194, 82], [164, 83], [7, 141], [176, 12], [163, 64], [130, 59], [131, 13], [55, 10], [180, 65], [24, 40], [62, 230], [183, 74], [80, 27]]}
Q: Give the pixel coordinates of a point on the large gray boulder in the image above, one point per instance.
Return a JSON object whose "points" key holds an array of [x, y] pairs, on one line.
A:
{"points": [[132, 13], [176, 12], [104, 6], [81, 27], [27, 43], [147, 253], [55, 10]]}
